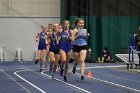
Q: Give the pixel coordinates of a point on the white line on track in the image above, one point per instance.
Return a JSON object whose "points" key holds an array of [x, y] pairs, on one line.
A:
{"points": [[68, 84], [108, 82], [16, 82], [14, 69], [27, 80], [116, 77], [105, 67]]}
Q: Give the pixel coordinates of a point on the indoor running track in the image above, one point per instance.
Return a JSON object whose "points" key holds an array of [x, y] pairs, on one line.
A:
{"points": [[24, 77]]}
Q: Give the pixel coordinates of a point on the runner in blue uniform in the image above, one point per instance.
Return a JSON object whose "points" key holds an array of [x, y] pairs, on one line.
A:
{"points": [[42, 46], [65, 47], [54, 48], [49, 30]]}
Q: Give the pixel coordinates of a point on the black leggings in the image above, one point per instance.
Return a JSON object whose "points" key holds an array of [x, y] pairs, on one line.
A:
{"points": [[139, 54]]}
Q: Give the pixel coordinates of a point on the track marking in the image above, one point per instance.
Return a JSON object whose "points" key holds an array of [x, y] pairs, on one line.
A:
{"points": [[104, 67], [116, 76], [27, 80], [108, 82], [14, 69], [16, 81], [68, 84]]}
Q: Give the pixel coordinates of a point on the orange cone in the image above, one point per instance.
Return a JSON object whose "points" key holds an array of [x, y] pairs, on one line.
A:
{"points": [[89, 74]]}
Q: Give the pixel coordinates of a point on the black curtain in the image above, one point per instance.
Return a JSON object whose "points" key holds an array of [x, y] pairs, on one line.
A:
{"points": [[109, 22], [100, 7]]}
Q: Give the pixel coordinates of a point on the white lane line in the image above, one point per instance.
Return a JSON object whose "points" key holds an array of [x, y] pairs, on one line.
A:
{"points": [[28, 81], [104, 67], [117, 77], [16, 82], [68, 84], [15, 69], [109, 74], [108, 82]]}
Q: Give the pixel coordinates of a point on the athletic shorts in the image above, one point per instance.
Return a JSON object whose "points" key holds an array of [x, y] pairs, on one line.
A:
{"points": [[42, 47], [66, 50], [79, 48], [55, 51]]}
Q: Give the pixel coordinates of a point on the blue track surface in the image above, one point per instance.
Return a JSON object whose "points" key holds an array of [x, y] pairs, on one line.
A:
{"points": [[16, 77]]}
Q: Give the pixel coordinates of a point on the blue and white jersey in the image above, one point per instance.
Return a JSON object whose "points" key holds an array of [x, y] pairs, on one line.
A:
{"points": [[81, 39]]}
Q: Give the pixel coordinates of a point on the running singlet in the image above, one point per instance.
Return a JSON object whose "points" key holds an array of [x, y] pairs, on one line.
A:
{"points": [[81, 39], [42, 41], [65, 42], [54, 45]]}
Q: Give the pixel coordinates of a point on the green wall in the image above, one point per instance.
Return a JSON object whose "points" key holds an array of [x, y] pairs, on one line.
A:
{"points": [[108, 31]]}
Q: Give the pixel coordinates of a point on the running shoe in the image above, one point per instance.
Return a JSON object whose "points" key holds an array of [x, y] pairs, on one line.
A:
{"points": [[40, 70], [82, 77], [61, 72], [74, 70], [51, 68], [36, 61], [52, 76], [65, 79]]}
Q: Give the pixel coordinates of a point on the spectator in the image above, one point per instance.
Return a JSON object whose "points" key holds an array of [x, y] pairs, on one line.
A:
{"points": [[106, 58]]}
